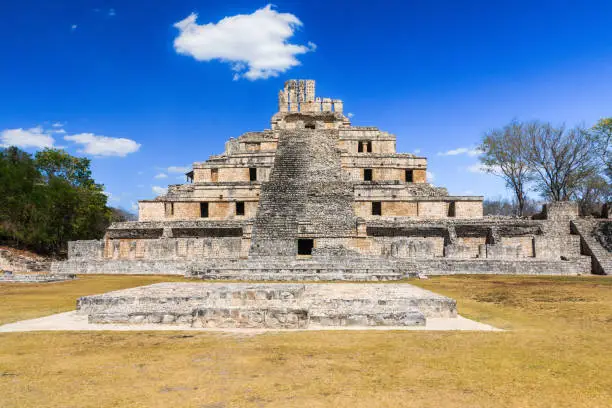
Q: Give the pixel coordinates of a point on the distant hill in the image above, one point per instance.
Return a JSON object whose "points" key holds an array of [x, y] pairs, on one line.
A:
{"points": [[121, 215]]}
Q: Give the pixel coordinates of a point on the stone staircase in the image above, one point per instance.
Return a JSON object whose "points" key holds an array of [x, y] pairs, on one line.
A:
{"points": [[291, 269], [601, 258], [307, 193]]}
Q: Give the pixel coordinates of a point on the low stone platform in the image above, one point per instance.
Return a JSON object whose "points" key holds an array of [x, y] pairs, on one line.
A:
{"points": [[34, 277], [274, 305]]}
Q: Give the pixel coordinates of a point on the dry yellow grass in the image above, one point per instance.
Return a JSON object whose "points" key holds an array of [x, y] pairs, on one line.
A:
{"points": [[557, 354], [21, 301]]}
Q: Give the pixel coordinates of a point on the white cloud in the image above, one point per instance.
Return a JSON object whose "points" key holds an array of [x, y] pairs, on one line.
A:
{"points": [[111, 197], [430, 176], [416, 151], [58, 125], [60, 131], [33, 137], [112, 12], [350, 114], [255, 45], [134, 206], [103, 145], [73, 27], [159, 190], [461, 150], [480, 168], [178, 169], [161, 176]]}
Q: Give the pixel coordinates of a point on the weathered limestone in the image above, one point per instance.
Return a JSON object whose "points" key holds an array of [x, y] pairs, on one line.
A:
{"points": [[315, 197], [277, 306], [8, 276]]}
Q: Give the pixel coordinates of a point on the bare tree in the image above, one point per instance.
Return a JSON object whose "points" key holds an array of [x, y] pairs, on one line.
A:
{"points": [[500, 206], [561, 158], [503, 154], [592, 193], [602, 135]]}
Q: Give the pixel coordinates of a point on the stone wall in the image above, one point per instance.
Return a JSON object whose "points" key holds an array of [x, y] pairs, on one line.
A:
{"points": [[173, 248], [151, 210]]}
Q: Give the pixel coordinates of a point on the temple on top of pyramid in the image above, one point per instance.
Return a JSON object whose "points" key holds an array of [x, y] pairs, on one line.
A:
{"points": [[382, 183], [315, 197]]}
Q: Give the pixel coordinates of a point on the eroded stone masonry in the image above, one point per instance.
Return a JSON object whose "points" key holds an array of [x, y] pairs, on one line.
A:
{"points": [[315, 197]]}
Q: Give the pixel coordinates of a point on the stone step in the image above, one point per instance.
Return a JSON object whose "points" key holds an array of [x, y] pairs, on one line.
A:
{"points": [[326, 277], [601, 257]]}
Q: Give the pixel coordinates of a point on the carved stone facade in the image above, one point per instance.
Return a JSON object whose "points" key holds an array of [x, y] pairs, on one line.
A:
{"points": [[315, 197]]}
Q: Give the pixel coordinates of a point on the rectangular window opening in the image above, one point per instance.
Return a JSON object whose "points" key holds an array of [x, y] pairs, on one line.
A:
{"points": [[369, 147], [239, 207], [305, 246], [409, 177], [310, 126], [376, 208], [214, 175], [367, 174], [360, 147], [253, 174], [203, 210]]}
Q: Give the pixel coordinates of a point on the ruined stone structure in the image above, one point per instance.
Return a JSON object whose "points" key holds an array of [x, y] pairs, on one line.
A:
{"points": [[274, 306], [314, 197]]}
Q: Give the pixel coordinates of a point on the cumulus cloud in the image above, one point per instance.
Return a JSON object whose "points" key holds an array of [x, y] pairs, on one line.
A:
{"points": [[350, 114], [161, 176], [24, 138], [255, 45], [57, 125], [178, 169], [104, 145], [73, 27], [461, 150], [159, 190], [430, 176]]}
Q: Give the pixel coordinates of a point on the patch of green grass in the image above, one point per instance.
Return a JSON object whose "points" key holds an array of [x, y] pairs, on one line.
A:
{"points": [[557, 354]]}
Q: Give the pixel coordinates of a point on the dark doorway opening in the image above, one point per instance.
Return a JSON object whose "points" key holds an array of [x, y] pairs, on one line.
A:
{"points": [[310, 126], [367, 174], [305, 246], [204, 210], [239, 207], [253, 174], [451, 209], [409, 178], [376, 208]]}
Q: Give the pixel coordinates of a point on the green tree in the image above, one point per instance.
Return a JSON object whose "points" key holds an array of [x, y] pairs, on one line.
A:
{"points": [[49, 200], [20, 192]]}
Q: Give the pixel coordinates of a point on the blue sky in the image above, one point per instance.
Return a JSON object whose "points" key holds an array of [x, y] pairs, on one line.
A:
{"points": [[143, 97]]}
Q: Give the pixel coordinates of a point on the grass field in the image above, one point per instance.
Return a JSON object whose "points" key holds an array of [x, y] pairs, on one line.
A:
{"points": [[557, 352]]}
